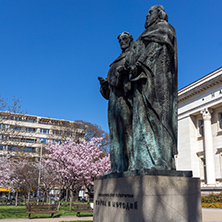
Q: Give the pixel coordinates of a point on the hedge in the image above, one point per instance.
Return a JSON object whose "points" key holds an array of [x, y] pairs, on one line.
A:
{"points": [[212, 198]]}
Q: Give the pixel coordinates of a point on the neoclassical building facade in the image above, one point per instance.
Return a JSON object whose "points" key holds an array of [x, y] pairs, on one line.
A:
{"points": [[200, 129]]}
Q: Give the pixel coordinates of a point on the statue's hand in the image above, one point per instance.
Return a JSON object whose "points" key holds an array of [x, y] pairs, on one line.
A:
{"points": [[101, 80], [104, 87]]}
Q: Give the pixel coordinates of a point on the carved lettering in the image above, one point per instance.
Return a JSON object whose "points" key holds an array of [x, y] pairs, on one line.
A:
{"points": [[122, 205]]}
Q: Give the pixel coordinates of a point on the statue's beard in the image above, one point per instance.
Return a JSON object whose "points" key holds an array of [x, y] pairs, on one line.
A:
{"points": [[149, 22]]}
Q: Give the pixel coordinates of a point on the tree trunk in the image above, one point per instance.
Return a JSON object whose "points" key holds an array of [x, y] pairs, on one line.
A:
{"points": [[71, 198], [9, 196], [75, 196], [16, 198], [59, 205], [47, 197], [67, 193], [60, 198], [28, 197], [23, 199], [43, 197], [88, 193]]}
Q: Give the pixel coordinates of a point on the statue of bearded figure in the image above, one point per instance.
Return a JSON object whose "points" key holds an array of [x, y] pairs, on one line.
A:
{"points": [[154, 85]]}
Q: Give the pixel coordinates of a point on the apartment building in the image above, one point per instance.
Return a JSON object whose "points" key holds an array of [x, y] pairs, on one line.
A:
{"points": [[27, 133], [200, 129]]}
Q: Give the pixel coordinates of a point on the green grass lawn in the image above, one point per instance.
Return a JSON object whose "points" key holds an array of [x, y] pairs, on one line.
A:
{"points": [[10, 211]]}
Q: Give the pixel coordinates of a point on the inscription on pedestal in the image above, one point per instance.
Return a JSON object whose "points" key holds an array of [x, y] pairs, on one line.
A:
{"points": [[129, 205]]}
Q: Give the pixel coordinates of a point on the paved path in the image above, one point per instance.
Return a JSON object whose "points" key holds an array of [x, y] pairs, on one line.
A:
{"points": [[209, 215], [55, 219]]}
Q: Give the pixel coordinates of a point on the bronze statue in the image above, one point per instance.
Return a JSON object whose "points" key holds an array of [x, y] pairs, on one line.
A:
{"points": [[143, 99], [117, 89], [155, 94]]}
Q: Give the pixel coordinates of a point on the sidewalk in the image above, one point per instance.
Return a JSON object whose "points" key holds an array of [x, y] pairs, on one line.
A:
{"points": [[208, 215], [211, 215], [55, 219]]}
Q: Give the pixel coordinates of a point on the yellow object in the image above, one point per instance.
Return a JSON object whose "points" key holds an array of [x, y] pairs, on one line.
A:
{"points": [[212, 205], [4, 189]]}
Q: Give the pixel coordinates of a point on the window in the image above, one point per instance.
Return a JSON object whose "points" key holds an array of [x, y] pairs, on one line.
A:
{"points": [[17, 139], [3, 137], [3, 117], [18, 128], [30, 130], [13, 148], [30, 140], [44, 122], [57, 132], [201, 127], [16, 118], [4, 126], [2, 147], [45, 131], [55, 123], [30, 120], [220, 121], [29, 149]]}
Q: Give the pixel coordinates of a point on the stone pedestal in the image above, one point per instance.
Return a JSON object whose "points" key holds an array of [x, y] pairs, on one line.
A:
{"points": [[147, 198]]}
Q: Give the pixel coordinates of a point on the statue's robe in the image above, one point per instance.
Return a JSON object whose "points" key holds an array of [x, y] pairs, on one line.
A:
{"points": [[155, 98], [116, 89]]}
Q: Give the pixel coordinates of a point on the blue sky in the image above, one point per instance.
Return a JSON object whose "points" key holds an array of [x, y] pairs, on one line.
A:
{"points": [[52, 51]]}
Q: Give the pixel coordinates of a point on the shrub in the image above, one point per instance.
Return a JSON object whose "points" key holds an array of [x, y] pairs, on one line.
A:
{"points": [[212, 198], [212, 205]]}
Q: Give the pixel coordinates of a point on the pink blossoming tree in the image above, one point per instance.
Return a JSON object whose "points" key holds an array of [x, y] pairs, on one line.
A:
{"points": [[76, 164], [5, 171], [18, 173]]}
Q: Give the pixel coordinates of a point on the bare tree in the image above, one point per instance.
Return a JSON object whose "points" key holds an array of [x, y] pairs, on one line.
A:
{"points": [[11, 115], [93, 130]]}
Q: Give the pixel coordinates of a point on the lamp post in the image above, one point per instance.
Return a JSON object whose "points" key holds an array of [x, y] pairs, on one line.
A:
{"points": [[40, 164]]}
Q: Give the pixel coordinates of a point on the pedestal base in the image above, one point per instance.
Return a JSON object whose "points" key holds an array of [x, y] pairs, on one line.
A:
{"points": [[147, 199]]}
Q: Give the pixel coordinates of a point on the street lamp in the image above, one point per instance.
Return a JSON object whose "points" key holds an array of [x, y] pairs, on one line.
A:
{"points": [[40, 164]]}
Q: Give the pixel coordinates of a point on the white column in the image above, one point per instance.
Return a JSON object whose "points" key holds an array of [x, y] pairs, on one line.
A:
{"points": [[209, 152]]}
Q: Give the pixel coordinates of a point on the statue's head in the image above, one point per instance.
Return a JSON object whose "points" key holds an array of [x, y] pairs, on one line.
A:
{"points": [[125, 39], [155, 13]]}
